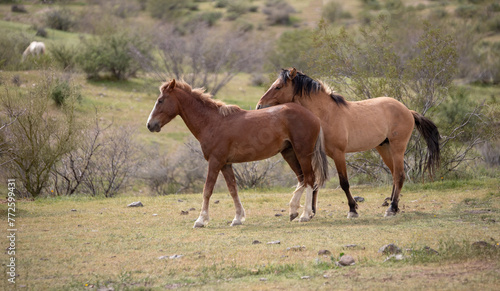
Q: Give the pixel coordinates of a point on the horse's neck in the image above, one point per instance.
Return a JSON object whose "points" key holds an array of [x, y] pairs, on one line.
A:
{"points": [[200, 119]]}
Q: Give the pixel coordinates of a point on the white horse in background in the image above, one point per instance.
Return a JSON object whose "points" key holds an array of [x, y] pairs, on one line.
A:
{"points": [[35, 48]]}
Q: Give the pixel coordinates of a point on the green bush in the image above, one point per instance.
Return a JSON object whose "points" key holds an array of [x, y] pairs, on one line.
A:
{"points": [[119, 55], [64, 55], [62, 90], [466, 11], [60, 19]]}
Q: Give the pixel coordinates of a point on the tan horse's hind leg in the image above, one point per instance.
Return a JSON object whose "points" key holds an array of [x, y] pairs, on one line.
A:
{"points": [[228, 173], [398, 177]]}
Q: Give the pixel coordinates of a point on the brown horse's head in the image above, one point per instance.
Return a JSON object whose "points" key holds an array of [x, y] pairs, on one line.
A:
{"points": [[281, 91], [166, 107]]}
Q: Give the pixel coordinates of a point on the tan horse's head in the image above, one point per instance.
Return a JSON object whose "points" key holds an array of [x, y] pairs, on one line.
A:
{"points": [[166, 107], [281, 91]]}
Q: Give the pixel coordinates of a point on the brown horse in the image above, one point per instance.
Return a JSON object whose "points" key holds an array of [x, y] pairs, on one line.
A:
{"points": [[229, 134], [382, 123]]}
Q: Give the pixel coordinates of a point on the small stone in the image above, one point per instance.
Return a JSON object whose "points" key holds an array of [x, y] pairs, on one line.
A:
{"points": [[154, 214], [180, 200], [135, 204], [278, 214], [305, 277], [345, 260], [274, 242], [389, 249], [184, 212], [73, 210], [359, 199], [397, 257], [172, 257], [192, 209], [216, 202], [481, 245], [256, 242], [430, 251], [263, 279], [386, 201], [324, 252], [296, 248]]}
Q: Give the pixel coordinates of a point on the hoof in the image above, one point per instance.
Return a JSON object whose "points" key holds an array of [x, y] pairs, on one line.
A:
{"points": [[304, 219], [389, 213], [236, 222], [293, 216], [198, 224], [352, 215]]}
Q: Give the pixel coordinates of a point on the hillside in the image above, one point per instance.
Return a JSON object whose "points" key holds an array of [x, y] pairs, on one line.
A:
{"points": [[264, 23]]}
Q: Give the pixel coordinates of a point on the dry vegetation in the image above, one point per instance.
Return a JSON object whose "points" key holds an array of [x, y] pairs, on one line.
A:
{"points": [[102, 243], [84, 243]]}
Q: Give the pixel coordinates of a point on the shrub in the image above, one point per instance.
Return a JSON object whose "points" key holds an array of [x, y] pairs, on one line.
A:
{"points": [[278, 12], [64, 55], [63, 90], [38, 138], [60, 19], [120, 55], [466, 11]]}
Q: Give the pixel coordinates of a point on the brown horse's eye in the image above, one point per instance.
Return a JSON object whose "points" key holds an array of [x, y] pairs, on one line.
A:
{"points": [[277, 88], [160, 101]]}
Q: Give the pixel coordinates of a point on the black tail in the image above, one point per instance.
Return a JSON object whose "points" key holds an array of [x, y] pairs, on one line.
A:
{"points": [[430, 132]]}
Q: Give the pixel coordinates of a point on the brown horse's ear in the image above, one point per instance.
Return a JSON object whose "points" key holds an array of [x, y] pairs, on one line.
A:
{"points": [[171, 86], [293, 73]]}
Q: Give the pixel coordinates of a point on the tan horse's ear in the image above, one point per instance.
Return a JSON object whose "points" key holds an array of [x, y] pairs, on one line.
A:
{"points": [[171, 86], [293, 73]]}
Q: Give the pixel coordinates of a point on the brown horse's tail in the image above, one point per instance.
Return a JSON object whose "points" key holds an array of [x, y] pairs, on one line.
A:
{"points": [[430, 132], [319, 160]]}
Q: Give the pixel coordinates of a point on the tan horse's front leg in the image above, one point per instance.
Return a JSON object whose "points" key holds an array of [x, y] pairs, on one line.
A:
{"points": [[213, 171], [228, 173]]}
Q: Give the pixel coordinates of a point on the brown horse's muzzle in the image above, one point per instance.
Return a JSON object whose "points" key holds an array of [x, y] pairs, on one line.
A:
{"points": [[154, 126]]}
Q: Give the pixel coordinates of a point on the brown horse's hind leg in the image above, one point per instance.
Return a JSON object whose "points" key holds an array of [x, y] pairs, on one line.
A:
{"points": [[228, 173], [339, 159], [290, 157]]}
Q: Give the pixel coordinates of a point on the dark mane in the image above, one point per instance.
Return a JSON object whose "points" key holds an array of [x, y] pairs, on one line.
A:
{"points": [[205, 98], [304, 85]]}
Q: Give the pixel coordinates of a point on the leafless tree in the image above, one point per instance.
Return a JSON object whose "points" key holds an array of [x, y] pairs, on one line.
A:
{"points": [[206, 59]]}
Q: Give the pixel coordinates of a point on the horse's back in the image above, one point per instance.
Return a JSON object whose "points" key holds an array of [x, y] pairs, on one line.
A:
{"points": [[371, 121]]}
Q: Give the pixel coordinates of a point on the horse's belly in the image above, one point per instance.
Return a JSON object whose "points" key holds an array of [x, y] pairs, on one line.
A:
{"points": [[255, 149]]}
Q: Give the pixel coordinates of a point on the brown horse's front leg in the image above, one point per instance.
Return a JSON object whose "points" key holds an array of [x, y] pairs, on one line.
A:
{"points": [[228, 173], [213, 171]]}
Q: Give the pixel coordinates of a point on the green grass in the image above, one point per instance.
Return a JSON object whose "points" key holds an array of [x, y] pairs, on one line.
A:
{"points": [[104, 243]]}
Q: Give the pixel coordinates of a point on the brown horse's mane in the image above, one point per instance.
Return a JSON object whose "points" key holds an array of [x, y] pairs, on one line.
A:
{"points": [[304, 85], [205, 98]]}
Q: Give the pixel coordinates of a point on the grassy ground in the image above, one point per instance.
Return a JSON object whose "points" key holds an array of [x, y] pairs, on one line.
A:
{"points": [[84, 243]]}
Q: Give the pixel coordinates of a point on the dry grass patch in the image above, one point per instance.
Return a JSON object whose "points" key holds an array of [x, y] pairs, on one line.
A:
{"points": [[70, 243]]}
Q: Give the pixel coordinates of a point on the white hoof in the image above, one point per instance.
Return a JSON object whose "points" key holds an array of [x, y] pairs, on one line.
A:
{"points": [[352, 215], [389, 213], [198, 224], [304, 219], [236, 222]]}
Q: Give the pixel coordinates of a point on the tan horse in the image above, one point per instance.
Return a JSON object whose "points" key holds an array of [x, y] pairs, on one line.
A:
{"points": [[35, 48], [382, 123], [229, 134]]}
